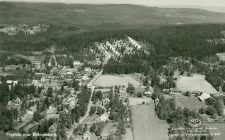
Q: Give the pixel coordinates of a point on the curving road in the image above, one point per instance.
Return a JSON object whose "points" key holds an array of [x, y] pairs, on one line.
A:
{"points": [[70, 132]]}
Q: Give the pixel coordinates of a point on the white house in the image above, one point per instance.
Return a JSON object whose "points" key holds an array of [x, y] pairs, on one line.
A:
{"points": [[85, 78], [103, 118], [87, 69], [11, 82], [76, 63], [203, 97]]}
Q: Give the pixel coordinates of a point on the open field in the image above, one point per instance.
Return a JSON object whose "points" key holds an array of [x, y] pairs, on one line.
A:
{"points": [[195, 83], [31, 58], [138, 101], [220, 128], [112, 80], [146, 125], [190, 102], [128, 135]]}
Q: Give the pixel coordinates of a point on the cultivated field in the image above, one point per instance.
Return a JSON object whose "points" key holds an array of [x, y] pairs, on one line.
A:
{"points": [[195, 83], [112, 80], [128, 135], [146, 125], [220, 128], [190, 102]]}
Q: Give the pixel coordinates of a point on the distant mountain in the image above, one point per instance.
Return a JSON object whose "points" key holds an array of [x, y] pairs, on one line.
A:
{"points": [[89, 15], [220, 9]]}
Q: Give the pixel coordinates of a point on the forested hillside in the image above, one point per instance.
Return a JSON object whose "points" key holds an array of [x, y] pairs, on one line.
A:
{"points": [[79, 14]]}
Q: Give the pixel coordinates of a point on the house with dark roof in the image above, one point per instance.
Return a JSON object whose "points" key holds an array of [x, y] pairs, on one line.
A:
{"points": [[53, 128]]}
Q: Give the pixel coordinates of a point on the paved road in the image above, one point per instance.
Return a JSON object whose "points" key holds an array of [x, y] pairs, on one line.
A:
{"points": [[70, 132]]}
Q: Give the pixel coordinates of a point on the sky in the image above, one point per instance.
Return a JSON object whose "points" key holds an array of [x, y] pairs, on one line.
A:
{"points": [[220, 3]]}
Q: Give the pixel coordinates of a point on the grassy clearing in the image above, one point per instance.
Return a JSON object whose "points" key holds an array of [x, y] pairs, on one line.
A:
{"points": [[146, 125], [195, 83], [190, 102], [138, 101], [112, 80]]}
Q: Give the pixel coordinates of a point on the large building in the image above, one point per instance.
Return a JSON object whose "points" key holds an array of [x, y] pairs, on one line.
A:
{"points": [[175, 91]]}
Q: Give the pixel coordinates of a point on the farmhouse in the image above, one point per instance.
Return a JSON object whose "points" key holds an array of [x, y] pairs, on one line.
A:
{"points": [[31, 110], [122, 92], [105, 101], [71, 97], [203, 97], [175, 91], [18, 101], [53, 128], [149, 92]]}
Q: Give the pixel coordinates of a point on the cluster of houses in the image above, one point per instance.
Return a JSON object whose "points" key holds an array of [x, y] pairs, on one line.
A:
{"points": [[13, 30], [134, 43], [178, 93], [103, 50], [216, 41], [112, 48]]}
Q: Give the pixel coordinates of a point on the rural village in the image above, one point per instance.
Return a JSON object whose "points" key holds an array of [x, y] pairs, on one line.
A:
{"points": [[111, 72], [61, 88]]}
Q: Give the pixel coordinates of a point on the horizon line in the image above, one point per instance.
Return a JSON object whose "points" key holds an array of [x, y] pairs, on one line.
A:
{"points": [[147, 5]]}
